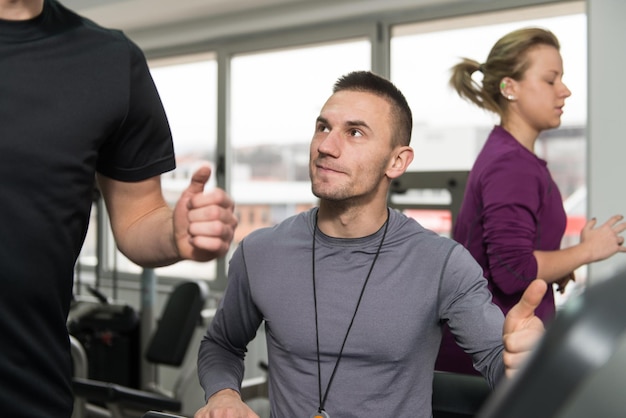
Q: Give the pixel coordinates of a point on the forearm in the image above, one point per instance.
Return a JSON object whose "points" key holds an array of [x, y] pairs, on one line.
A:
{"points": [[553, 266], [597, 242], [200, 227], [141, 221], [223, 349], [467, 302], [149, 241], [218, 368]]}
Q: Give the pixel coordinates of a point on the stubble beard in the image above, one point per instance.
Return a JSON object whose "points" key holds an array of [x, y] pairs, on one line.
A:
{"points": [[330, 193]]}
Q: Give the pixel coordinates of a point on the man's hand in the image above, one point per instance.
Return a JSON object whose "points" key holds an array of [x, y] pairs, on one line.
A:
{"points": [[225, 404], [522, 329], [204, 223]]}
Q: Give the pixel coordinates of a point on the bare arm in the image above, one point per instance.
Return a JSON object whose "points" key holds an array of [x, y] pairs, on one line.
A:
{"points": [[151, 234], [595, 244]]}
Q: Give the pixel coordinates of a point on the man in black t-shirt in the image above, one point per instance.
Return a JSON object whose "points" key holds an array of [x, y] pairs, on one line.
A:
{"points": [[77, 102]]}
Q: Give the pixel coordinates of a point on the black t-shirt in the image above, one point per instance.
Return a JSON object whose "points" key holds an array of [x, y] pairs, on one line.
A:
{"points": [[75, 98]]}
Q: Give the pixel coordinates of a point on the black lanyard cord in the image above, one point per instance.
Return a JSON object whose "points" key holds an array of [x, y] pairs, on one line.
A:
{"points": [[322, 400]]}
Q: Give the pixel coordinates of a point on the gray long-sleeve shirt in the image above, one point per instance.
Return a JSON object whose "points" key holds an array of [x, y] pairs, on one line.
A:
{"points": [[419, 281]]}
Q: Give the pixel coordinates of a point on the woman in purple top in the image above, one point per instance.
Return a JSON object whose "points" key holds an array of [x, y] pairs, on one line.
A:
{"points": [[512, 218]]}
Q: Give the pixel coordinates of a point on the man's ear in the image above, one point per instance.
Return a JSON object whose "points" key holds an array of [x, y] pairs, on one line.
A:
{"points": [[401, 159]]}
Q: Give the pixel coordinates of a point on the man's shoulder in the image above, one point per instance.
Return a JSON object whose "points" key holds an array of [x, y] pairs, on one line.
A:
{"points": [[290, 227], [66, 20]]}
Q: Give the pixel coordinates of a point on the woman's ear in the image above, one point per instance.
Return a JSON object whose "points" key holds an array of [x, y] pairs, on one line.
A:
{"points": [[401, 159], [507, 88]]}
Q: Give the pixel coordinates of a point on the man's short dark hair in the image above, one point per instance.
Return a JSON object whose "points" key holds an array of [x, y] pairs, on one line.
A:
{"points": [[367, 81]]}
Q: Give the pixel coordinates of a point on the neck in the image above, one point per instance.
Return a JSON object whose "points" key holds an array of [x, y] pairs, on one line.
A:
{"points": [[350, 222], [20, 9], [522, 133]]}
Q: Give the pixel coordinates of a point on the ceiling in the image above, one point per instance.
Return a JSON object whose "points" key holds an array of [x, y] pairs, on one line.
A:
{"points": [[138, 14], [155, 24], [165, 24]]}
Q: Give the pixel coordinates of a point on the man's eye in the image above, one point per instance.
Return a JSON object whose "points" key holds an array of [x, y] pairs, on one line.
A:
{"points": [[355, 132]]}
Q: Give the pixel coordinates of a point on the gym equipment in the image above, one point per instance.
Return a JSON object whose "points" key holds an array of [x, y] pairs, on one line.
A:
{"points": [[168, 346]]}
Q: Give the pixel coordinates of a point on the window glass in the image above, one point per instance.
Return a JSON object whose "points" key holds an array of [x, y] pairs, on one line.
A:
{"points": [[188, 89], [276, 98], [421, 57]]}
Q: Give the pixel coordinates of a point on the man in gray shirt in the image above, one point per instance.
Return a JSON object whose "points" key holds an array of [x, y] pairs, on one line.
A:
{"points": [[353, 294]]}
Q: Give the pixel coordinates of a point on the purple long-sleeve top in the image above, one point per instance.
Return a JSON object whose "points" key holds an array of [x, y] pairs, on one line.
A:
{"points": [[511, 208]]}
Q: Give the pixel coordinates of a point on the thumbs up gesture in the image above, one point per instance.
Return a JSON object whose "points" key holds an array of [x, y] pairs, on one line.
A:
{"points": [[522, 329], [204, 222]]}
